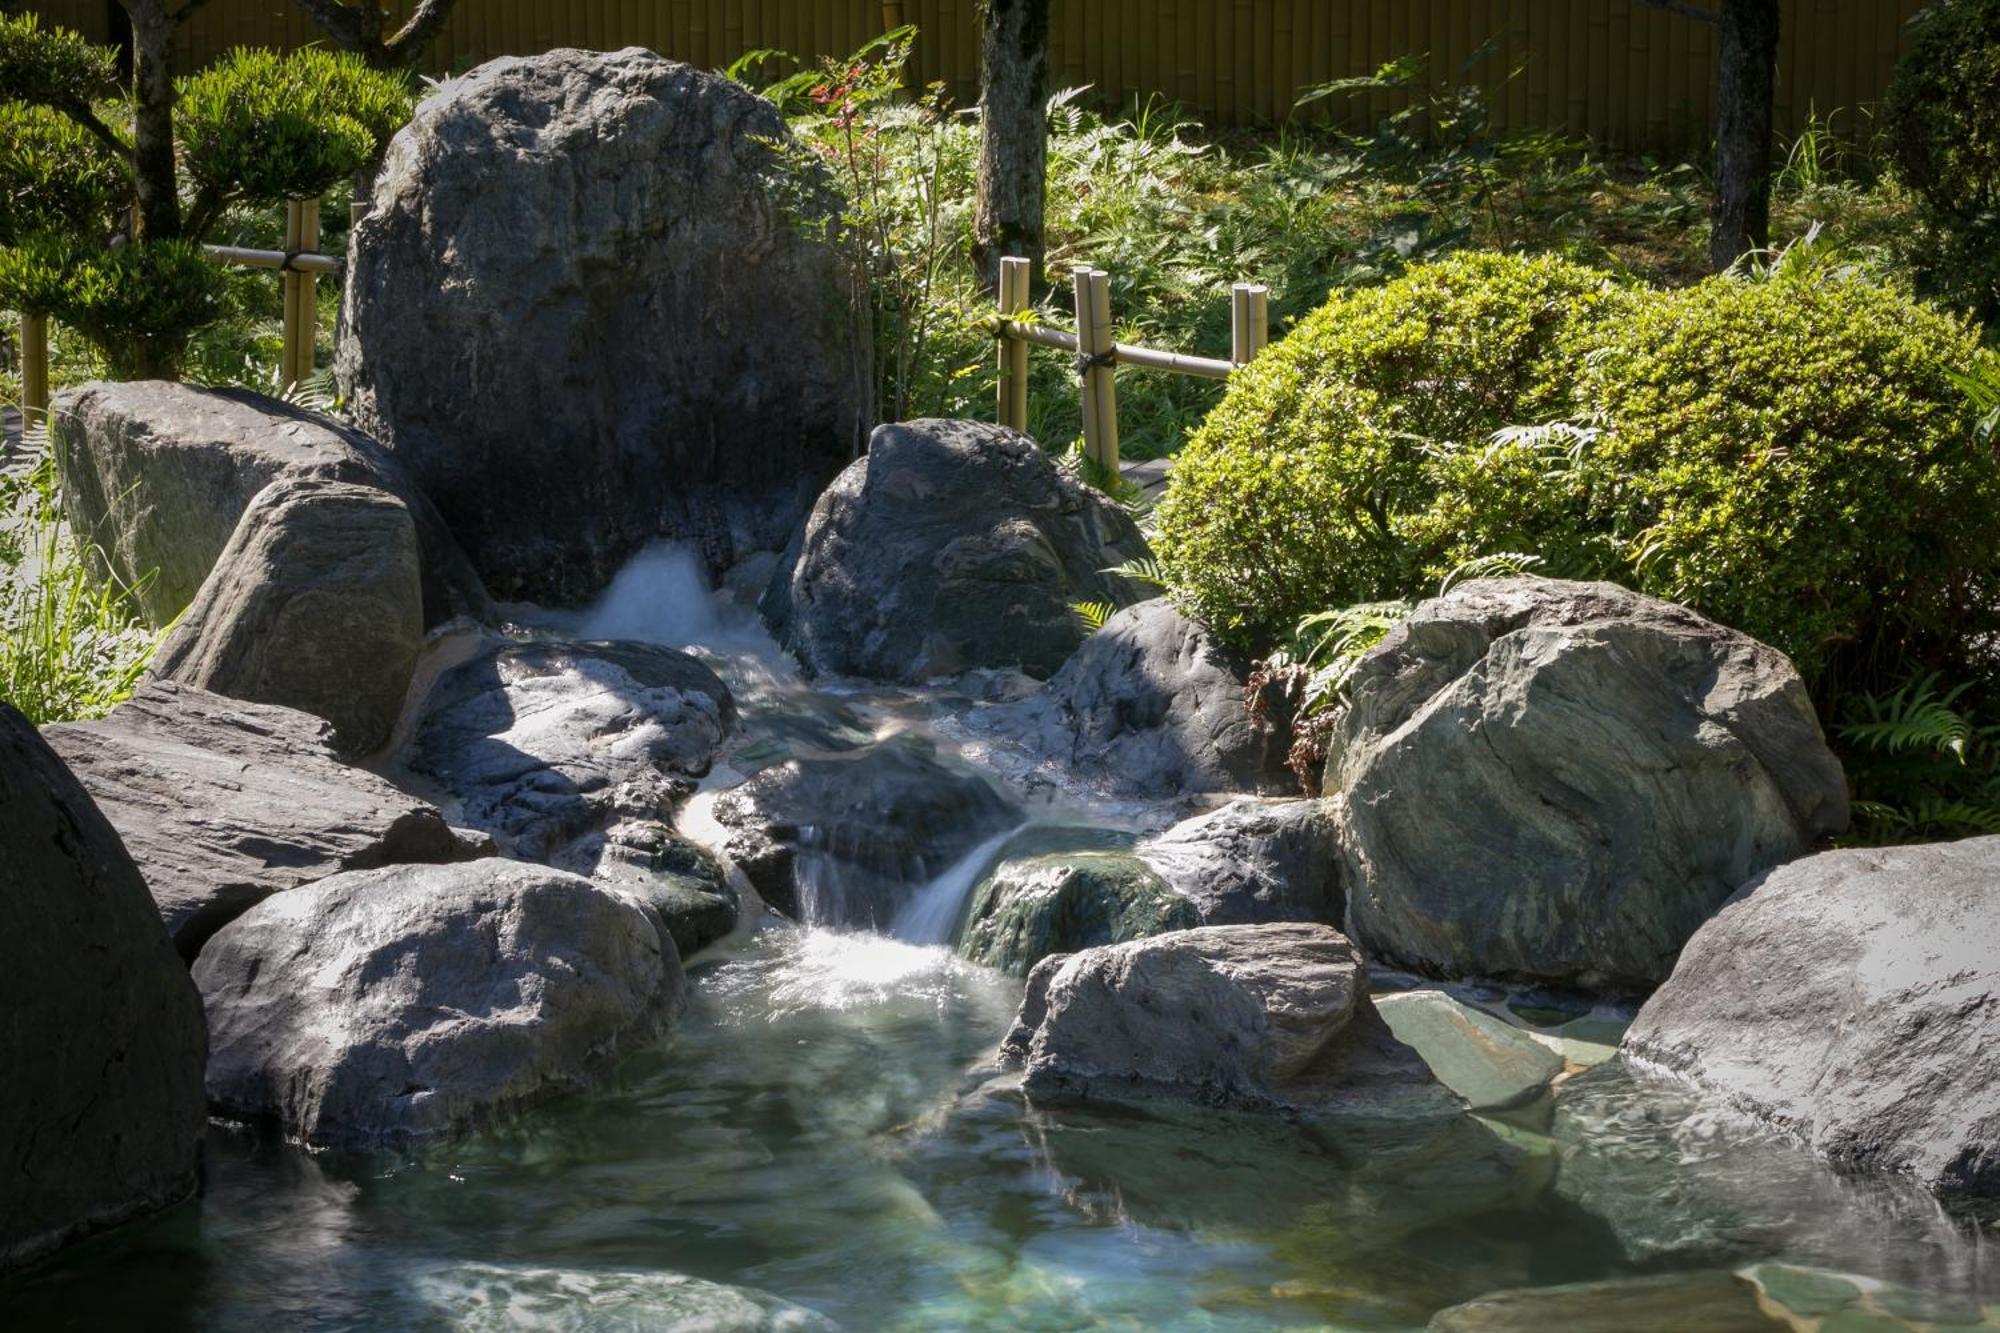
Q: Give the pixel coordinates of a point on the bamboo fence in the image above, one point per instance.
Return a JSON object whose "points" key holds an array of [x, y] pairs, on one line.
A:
{"points": [[1629, 76], [1098, 354]]}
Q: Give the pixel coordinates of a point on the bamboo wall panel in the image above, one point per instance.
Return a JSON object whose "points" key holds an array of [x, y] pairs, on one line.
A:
{"points": [[1624, 74]]}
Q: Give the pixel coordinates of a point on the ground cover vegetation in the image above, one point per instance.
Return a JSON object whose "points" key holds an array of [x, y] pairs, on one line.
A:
{"points": [[1492, 354]]}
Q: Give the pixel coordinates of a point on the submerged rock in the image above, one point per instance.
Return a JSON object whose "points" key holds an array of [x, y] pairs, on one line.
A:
{"points": [[1269, 1017], [1853, 999], [1714, 1302], [845, 839], [593, 305], [951, 545], [478, 1297], [158, 475], [385, 1006], [316, 603], [543, 744], [102, 1038], [1543, 780], [223, 803], [1152, 705]]}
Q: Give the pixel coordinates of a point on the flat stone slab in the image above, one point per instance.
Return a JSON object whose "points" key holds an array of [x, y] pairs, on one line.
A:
{"points": [[1489, 1062], [1715, 1302]]}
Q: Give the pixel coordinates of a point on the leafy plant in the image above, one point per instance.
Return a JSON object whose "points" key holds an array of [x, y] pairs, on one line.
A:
{"points": [[1921, 766], [71, 646]]}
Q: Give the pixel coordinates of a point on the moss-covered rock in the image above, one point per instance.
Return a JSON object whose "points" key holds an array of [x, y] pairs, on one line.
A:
{"points": [[1058, 902]]}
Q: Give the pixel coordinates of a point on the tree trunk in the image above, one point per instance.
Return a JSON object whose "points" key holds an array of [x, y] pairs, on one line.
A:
{"points": [[1749, 56], [154, 178], [1013, 136]]}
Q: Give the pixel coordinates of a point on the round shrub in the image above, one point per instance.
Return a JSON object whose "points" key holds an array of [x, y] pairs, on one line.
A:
{"points": [[1796, 458], [139, 303], [1296, 492]]}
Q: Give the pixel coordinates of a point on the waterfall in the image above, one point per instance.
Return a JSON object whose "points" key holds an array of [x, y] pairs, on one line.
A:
{"points": [[932, 913]]}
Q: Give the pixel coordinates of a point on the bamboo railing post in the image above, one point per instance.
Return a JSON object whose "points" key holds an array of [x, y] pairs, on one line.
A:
{"points": [[1013, 391], [1106, 373], [34, 371], [1241, 345], [1086, 347], [288, 359], [308, 298], [1260, 320]]}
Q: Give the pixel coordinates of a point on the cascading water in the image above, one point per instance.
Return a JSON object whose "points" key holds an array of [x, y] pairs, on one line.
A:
{"points": [[933, 911]]}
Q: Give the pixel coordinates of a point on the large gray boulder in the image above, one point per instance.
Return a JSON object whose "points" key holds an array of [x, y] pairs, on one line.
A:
{"points": [[593, 305], [1852, 999], [1152, 705], [846, 839], [316, 604], [223, 803], [386, 1006], [158, 476], [548, 746], [1548, 780], [952, 545], [100, 1031], [1270, 1017], [1253, 861]]}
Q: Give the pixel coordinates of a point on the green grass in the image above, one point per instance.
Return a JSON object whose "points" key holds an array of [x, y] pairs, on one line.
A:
{"points": [[71, 646]]}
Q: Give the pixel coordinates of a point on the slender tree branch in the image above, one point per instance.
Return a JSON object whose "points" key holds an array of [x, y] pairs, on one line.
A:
{"points": [[81, 113], [407, 46], [1684, 9]]}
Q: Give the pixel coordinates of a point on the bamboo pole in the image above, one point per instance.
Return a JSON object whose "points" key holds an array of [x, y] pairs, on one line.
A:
{"points": [[34, 371], [1013, 390], [308, 295], [244, 258], [1241, 348], [1086, 346], [288, 359], [1106, 385], [1260, 319]]}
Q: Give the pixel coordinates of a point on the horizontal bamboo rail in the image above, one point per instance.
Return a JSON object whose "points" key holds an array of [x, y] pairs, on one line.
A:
{"points": [[1098, 355], [282, 260]]}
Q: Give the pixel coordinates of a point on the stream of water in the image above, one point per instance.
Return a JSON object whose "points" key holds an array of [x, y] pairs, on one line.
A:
{"points": [[819, 1126]]}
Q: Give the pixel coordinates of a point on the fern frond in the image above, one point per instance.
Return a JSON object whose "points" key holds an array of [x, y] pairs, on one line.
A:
{"points": [[1146, 570], [1093, 614], [1915, 717], [1499, 565]]}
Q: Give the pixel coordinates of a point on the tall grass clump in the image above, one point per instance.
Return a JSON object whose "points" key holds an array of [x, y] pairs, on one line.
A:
{"points": [[71, 647]]}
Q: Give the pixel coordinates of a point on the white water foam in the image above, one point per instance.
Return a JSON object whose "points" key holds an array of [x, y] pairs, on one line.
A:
{"points": [[932, 912]]}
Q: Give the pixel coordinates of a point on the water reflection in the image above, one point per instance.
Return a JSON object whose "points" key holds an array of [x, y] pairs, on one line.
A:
{"points": [[818, 1131]]}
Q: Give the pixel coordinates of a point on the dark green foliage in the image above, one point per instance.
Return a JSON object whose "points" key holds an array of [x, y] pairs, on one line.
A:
{"points": [[139, 303], [55, 176], [260, 127], [1943, 124], [1300, 489], [1921, 767], [1794, 454], [51, 66]]}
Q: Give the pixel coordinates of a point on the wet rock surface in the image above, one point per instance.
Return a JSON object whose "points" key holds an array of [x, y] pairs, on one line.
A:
{"points": [[158, 475], [587, 309], [950, 546], [844, 839], [316, 603], [102, 1034], [1541, 780], [1035, 904], [1151, 705], [1271, 1017], [1253, 861], [1715, 1302], [543, 744], [387, 1006], [1853, 998], [223, 803]]}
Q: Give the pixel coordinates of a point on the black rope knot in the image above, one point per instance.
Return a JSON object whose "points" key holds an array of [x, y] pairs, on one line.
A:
{"points": [[1088, 361]]}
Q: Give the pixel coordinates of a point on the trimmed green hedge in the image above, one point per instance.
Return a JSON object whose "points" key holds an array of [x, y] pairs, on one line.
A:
{"points": [[1794, 456]]}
